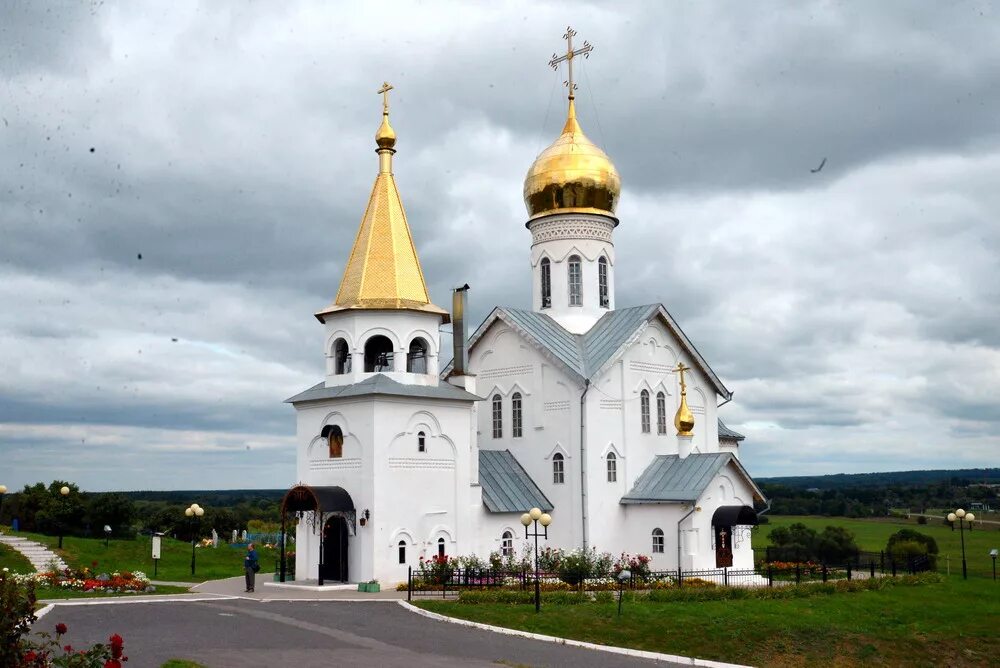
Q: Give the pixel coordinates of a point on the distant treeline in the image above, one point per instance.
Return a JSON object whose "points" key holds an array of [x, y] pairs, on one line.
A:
{"points": [[957, 478], [876, 494]]}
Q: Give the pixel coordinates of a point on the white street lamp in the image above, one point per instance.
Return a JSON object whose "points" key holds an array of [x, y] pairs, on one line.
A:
{"points": [[538, 517], [195, 511], [962, 518]]}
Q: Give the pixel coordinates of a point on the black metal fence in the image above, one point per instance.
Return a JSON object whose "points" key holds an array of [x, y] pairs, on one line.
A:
{"points": [[882, 562], [450, 582]]}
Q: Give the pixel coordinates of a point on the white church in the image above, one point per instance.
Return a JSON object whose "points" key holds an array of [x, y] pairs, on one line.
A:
{"points": [[604, 417]]}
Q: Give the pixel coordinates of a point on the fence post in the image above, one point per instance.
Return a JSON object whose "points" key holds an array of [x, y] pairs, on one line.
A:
{"points": [[872, 564], [824, 571], [444, 585], [770, 575], [680, 576], [881, 561], [798, 573], [848, 570], [409, 583], [725, 576]]}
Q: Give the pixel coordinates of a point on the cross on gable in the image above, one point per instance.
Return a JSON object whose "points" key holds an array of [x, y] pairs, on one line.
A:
{"points": [[568, 58]]}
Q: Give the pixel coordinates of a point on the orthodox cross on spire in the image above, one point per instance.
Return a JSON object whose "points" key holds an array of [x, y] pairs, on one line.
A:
{"points": [[569, 56], [681, 369], [384, 92]]}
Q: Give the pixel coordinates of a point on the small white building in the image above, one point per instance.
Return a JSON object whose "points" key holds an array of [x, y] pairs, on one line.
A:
{"points": [[605, 417]]}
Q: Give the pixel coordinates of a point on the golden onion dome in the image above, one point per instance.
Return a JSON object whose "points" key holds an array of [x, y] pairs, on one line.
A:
{"points": [[571, 175], [385, 137]]}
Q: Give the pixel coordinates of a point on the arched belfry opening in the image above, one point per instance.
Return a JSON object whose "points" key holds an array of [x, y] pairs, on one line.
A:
{"points": [[416, 356], [330, 511], [334, 437], [378, 354]]}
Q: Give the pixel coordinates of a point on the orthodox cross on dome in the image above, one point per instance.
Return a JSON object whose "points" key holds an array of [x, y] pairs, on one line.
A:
{"points": [[569, 56], [684, 419], [384, 92]]}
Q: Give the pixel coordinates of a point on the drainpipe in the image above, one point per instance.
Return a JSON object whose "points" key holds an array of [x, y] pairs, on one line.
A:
{"points": [[583, 460], [694, 507]]}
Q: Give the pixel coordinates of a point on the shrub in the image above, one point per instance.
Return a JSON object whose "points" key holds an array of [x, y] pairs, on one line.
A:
{"points": [[905, 536], [835, 545], [921, 519], [17, 614]]}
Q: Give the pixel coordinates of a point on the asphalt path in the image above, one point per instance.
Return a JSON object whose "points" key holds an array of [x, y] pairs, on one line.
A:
{"points": [[241, 633]]}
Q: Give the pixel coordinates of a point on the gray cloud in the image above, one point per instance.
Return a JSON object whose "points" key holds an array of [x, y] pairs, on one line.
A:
{"points": [[853, 311]]}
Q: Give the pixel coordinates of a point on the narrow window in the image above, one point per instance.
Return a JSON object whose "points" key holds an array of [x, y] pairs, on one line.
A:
{"points": [[334, 436], [657, 541], [661, 413], [575, 281], [416, 356], [558, 473], [546, 283], [497, 416], [507, 544], [402, 551], [341, 357], [602, 282], [441, 547], [612, 467], [644, 410], [378, 354], [515, 414], [421, 442]]}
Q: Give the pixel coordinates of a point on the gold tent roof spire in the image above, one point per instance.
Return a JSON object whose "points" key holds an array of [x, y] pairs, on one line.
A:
{"points": [[383, 270]]}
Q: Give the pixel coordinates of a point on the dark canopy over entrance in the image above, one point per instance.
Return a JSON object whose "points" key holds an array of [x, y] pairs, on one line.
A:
{"points": [[728, 516], [723, 521], [307, 498]]}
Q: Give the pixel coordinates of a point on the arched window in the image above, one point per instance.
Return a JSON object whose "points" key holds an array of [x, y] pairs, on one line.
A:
{"points": [[497, 416], [546, 283], [657, 541], [602, 282], [558, 472], [402, 551], [661, 413], [612, 467], [421, 442], [341, 357], [507, 544], [441, 548], [378, 354], [334, 436], [575, 281], [515, 415], [416, 356], [644, 410]]}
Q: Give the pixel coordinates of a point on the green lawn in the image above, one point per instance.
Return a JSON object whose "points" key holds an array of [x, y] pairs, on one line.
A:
{"points": [[872, 534], [12, 559], [949, 623], [175, 561]]}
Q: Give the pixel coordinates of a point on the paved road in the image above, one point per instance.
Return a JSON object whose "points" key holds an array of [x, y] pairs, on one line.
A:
{"points": [[241, 633]]}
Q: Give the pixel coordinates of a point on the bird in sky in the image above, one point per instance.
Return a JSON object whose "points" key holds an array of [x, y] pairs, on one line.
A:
{"points": [[818, 168]]}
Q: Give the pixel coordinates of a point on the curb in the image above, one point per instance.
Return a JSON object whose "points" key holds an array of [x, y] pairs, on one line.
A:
{"points": [[636, 653]]}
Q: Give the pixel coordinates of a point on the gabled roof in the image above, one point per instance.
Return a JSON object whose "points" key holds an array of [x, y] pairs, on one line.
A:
{"points": [[586, 355], [383, 385], [728, 434], [507, 487], [668, 478]]}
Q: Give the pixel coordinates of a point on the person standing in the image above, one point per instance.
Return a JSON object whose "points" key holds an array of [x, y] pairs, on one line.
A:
{"points": [[250, 566]]}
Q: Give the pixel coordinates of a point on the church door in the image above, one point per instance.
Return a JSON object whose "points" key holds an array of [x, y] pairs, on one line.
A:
{"points": [[723, 546], [334, 564]]}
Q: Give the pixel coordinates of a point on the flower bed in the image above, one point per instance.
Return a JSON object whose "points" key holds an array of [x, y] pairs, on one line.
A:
{"points": [[86, 580]]}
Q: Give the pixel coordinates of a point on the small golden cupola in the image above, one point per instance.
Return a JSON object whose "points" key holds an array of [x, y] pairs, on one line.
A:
{"points": [[572, 175], [383, 270], [684, 419]]}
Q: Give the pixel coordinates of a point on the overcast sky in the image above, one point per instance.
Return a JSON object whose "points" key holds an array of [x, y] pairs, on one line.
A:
{"points": [[854, 311]]}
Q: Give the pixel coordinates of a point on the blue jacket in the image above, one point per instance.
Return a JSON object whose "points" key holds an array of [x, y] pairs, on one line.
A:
{"points": [[251, 559]]}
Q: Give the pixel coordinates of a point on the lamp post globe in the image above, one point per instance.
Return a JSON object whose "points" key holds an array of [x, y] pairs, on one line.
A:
{"points": [[526, 520], [64, 491], [952, 517], [969, 517], [960, 513], [188, 511], [545, 519], [535, 513], [3, 489], [199, 511]]}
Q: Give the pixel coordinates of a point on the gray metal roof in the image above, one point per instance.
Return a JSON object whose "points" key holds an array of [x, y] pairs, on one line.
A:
{"points": [[727, 433], [507, 487], [383, 385], [669, 478], [586, 354]]}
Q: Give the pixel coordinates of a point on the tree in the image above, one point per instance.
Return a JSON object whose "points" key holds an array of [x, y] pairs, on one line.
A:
{"points": [[907, 543], [114, 510], [835, 545], [61, 514], [796, 542]]}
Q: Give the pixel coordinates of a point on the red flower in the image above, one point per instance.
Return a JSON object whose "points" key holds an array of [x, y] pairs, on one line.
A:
{"points": [[60, 628], [117, 643], [30, 656], [68, 649], [112, 663]]}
